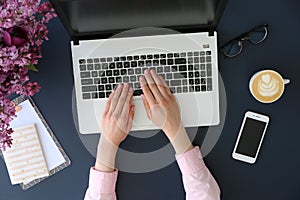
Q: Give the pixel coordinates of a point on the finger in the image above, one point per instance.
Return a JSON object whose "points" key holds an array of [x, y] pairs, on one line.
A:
{"points": [[146, 105], [115, 98], [156, 93], [127, 105], [107, 107], [161, 87], [131, 116], [146, 90], [166, 86], [122, 100]]}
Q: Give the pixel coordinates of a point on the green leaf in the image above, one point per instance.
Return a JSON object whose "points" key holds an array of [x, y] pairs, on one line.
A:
{"points": [[32, 67]]}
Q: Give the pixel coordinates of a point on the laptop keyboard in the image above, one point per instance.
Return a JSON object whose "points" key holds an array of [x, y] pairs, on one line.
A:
{"points": [[184, 72]]}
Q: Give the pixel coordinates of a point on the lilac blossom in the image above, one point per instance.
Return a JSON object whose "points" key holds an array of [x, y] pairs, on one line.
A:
{"points": [[22, 32]]}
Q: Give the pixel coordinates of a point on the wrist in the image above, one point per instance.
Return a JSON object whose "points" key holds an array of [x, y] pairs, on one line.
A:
{"points": [[106, 155], [180, 140]]}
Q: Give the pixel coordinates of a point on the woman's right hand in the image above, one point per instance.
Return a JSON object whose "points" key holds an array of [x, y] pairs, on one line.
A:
{"points": [[161, 106]]}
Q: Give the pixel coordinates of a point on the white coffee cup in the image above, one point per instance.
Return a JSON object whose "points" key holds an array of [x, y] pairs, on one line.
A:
{"points": [[267, 86]]}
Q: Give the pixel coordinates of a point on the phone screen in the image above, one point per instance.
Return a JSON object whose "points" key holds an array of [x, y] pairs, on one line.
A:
{"points": [[250, 137]]}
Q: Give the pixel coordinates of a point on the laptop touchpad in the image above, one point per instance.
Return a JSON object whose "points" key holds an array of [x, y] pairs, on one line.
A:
{"points": [[140, 114]]}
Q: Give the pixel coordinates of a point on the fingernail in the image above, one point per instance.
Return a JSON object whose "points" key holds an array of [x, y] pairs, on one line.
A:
{"points": [[146, 71], [152, 71]]}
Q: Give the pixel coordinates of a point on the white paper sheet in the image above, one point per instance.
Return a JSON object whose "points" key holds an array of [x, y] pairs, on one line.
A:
{"points": [[27, 115]]}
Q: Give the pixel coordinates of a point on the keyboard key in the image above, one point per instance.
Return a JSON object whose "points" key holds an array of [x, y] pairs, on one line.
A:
{"points": [[202, 74], [176, 55], [170, 55], [108, 87], [115, 86], [130, 71], [125, 79], [123, 71], [86, 95], [132, 78], [183, 54], [190, 53], [156, 56], [167, 69], [159, 70], [190, 60], [116, 59], [116, 72], [137, 85], [108, 72], [96, 60], [94, 95], [175, 82], [191, 88], [209, 73], [196, 67], [130, 85], [202, 66], [191, 81], [208, 59], [182, 68], [197, 81], [112, 65], [148, 63], [107, 94], [94, 73], [209, 87], [184, 82], [209, 81], [103, 80], [191, 74], [162, 55], [170, 62], [180, 75], [202, 53], [101, 73], [96, 81], [155, 62], [126, 64], [197, 74], [100, 87], [104, 66], [203, 88], [119, 79], [85, 74], [149, 56], [89, 60], [202, 59], [196, 53], [143, 57], [163, 62], [137, 92], [208, 53], [174, 68], [178, 90], [197, 88], [111, 79], [173, 89], [82, 67], [109, 59], [86, 81], [129, 58], [90, 88], [185, 89], [102, 59], [141, 63], [97, 66], [203, 80], [169, 76], [136, 57], [196, 59], [90, 66], [138, 71], [82, 61], [101, 95], [180, 61], [123, 58], [119, 65], [133, 64], [190, 67]]}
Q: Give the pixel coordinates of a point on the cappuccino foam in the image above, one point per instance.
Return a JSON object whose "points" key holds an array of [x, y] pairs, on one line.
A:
{"points": [[267, 86]]}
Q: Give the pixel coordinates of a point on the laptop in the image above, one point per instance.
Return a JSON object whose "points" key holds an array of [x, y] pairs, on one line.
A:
{"points": [[114, 41]]}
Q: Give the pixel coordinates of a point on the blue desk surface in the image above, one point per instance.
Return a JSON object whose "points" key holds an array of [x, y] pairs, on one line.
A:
{"points": [[275, 175]]}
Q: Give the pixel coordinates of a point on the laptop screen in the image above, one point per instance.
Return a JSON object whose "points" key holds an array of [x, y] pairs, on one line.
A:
{"points": [[91, 16]]}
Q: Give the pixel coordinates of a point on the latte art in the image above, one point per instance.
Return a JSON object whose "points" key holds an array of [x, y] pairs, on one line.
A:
{"points": [[268, 86]]}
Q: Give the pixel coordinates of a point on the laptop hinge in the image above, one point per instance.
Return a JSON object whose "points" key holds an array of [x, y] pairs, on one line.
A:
{"points": [[211, 33]]}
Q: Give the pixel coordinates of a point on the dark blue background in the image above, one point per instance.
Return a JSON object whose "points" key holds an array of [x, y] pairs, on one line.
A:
{"points": [[275, 175]]}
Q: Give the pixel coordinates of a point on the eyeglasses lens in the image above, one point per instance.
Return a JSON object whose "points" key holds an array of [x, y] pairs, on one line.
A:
{"points": [[258, 35], [233, 48]]}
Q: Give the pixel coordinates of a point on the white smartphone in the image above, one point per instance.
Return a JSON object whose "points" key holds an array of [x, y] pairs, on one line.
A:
{"points": [[250, 137]]}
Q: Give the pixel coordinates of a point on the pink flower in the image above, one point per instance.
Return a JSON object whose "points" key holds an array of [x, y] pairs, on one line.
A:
{"points": [[15, 36]]}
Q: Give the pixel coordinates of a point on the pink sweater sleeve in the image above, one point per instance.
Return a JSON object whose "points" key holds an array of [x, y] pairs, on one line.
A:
{"points": [[102, 185], [197, 180]]}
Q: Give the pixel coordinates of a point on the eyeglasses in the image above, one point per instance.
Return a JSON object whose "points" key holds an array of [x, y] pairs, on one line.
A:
{"points": [[255, 36]]}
